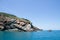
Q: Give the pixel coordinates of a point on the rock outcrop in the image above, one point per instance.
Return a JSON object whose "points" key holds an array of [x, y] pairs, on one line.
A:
{"points": [[10, 22]]}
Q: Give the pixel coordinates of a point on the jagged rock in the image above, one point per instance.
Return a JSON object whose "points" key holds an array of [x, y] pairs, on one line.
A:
{"points": [[10, 22]]}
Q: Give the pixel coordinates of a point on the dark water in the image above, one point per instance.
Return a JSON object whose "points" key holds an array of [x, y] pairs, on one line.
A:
{"points": [[42, 35]]}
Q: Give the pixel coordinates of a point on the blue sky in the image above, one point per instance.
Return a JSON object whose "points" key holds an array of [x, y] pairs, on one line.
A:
{"points": [[44, 14]]}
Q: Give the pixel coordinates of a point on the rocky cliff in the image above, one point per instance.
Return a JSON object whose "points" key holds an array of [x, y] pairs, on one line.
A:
{"points": [[10, 22]]}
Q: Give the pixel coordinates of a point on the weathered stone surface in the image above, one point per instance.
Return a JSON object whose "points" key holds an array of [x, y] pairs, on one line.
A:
{"points": [[12, 23]]}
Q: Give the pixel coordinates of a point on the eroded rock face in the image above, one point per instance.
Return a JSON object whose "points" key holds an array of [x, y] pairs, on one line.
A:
{"points": [[13, 24]]}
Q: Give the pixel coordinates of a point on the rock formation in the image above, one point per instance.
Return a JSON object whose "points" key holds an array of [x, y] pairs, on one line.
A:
{"points": [[10, 22]]}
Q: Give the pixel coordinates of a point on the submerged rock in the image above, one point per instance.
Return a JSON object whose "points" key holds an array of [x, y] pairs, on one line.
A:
{"points": [[10, 22], [49, 30]]}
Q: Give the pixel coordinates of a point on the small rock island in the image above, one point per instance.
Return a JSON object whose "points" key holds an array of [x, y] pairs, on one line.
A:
{"points": [[9, 22]]}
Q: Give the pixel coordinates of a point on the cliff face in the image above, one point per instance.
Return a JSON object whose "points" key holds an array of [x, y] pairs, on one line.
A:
{"points": [[10, 22]]}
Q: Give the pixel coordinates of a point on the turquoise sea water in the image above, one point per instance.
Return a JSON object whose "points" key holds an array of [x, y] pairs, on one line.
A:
{"points": [[42, 35]]}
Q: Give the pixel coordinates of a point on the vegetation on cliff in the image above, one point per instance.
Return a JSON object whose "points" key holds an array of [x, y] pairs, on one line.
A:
{"points": [[7, 15]]}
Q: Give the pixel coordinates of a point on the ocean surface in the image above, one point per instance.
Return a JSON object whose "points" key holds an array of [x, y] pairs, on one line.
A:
{"points": [[41, 35]]}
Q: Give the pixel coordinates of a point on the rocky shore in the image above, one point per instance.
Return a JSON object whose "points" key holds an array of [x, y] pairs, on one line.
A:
{"points": [[10, 22]]}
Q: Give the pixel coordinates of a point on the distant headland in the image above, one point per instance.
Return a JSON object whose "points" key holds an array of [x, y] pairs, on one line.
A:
{"points": [[9, 22]]}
